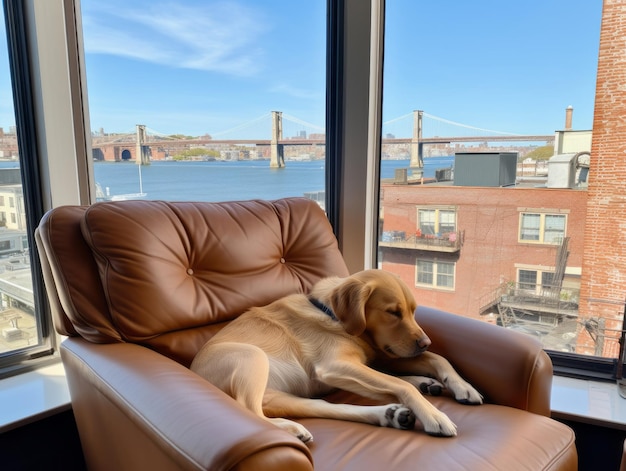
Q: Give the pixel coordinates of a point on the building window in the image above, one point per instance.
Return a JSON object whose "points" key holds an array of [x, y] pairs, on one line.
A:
{"points": [[534, 280], [542, 228], [435, 273], [527, 279], [436, 222]]}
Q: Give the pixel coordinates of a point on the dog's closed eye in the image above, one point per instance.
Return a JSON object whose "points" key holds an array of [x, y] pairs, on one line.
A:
{"points": [[395, 313]]}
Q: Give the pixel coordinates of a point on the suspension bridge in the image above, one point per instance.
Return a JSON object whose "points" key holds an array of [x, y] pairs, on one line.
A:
{"points": [[416, 129]]}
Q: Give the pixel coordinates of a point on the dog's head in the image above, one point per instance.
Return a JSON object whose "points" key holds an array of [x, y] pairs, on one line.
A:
{"points": [[379, 307]]}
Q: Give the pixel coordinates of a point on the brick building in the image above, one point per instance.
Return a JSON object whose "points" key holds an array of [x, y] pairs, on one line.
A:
{"points": [[603, 281], [458, 247]]}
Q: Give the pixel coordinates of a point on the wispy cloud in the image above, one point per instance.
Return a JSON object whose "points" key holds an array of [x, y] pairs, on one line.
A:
{"points": [[217, 36]]}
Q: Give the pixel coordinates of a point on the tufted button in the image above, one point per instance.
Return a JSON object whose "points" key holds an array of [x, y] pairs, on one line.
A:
{"points": [[190, 271], [282, 260]]}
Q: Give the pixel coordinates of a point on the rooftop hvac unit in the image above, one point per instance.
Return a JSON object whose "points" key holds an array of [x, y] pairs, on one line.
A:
{"points": [[562, 171], [12, 333], [401, 176], [491, 169]]}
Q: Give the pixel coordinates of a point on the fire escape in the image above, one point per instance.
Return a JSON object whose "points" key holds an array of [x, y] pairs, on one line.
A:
{"points": [[546, 311]]}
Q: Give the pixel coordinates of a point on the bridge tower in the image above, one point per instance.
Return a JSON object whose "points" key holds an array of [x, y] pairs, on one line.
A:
{"points": [[142, 152], [417, 146], [277, 151]]}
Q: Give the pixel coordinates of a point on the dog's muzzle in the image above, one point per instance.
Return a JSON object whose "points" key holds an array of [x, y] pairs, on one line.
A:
{"points": [[423, 344]]}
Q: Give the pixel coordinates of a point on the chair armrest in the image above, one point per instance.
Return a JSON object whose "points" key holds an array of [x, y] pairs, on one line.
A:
{"points": [[507, 367], [137, 409]]}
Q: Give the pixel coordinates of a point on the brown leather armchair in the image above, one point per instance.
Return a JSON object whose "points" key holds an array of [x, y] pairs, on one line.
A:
{"points": [[139, 286]]}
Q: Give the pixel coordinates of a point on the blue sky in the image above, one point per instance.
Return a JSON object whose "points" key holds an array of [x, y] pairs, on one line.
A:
{"points": [[512, 66], [203, 66]]}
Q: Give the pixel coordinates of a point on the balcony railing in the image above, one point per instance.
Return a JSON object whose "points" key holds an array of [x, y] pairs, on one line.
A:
{"points": [[445, 242], [531, 297]]}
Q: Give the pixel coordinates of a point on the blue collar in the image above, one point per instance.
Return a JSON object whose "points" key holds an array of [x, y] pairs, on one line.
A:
{"points": [[322, 307]]}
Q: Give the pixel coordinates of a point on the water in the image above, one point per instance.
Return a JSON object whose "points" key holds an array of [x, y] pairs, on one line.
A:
{"points": [[221, 181]]}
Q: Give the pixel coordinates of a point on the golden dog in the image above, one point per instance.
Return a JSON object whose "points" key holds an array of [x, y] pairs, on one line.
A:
{"points": [[275, 360]]}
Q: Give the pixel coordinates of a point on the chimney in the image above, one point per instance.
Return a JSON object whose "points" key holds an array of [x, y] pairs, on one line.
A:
{"points": [[568, 118]]}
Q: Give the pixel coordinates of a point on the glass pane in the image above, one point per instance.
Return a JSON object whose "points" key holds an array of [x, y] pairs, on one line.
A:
{"points": [[445, 275], [481, 119], [425, 272], [527, 279], [447, 221], [20, 324], [217, 100], [555, 229], [427, 221], [547, 279], [529, 229]]}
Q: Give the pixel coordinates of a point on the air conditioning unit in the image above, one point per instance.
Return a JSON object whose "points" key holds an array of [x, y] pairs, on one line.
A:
{"points": [[562, 171], [489, 169], [12, 333]]}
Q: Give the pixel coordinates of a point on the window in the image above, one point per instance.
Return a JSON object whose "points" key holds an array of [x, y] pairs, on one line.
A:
{"points": [[436, 221], [542, 228], [429, 102], [435, 273], [535, 280], [527, 279], [229, 97], [25, 336], [520, 262]]}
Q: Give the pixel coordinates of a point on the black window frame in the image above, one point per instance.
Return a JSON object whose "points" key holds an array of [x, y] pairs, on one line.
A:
{"points": [[21, 78], [26, 358]]}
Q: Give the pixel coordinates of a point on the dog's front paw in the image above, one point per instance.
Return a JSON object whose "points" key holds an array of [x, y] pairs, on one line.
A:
{"points": [[400, 417], [465, 393], [439, 425]]}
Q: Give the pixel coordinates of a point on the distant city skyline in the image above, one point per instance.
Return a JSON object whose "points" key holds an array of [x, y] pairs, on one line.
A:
{"points": [[203, 67]]}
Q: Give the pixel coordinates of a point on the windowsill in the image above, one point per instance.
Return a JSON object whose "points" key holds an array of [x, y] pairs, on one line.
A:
{"points": [[592, 402], [32, 396], [43, 392]]}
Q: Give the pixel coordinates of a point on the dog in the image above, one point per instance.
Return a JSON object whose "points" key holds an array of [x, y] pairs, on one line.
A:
{"points": [[356, 334]]}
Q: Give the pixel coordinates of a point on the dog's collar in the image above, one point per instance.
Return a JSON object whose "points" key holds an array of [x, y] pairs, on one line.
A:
{"points": [[322, 307]]}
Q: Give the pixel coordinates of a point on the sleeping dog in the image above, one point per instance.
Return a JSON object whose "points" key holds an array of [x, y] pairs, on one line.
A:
{"points": [[274, 360]]}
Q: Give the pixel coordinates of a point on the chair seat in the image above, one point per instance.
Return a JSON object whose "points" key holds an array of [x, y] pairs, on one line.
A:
{"points": [[527, 442]]}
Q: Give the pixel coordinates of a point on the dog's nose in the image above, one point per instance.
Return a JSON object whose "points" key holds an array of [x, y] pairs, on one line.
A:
{"points": [[423, 343]]}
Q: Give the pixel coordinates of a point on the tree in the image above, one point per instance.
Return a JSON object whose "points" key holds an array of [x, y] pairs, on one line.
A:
{"points": [[541, 153], [188, 154]]}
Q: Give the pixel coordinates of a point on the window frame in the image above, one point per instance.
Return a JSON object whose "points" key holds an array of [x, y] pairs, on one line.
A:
{"points": [[566, 364], [437, 223], [355, 32], [19, 360], [543, 215], [435, 264]]}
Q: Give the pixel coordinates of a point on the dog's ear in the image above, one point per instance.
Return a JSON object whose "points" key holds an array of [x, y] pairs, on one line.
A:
{"points": [[348, 302]]}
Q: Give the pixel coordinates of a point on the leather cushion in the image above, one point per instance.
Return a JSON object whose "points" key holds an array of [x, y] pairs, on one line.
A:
{"points": [[490, 437], [167, 267]]}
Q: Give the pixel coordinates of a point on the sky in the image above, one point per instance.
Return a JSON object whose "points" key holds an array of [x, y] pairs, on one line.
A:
{"points": [[199, 67]]}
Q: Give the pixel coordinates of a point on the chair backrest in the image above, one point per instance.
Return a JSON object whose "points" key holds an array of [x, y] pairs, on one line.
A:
{"points": [[169, 275]]}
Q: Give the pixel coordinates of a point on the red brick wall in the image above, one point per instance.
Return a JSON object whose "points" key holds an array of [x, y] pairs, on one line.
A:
{"points": [[490, 219], [603, 282]]}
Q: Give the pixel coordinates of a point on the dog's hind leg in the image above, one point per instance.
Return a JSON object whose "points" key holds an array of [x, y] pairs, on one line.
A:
{"points": [[241, 371], [281, 404]]}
